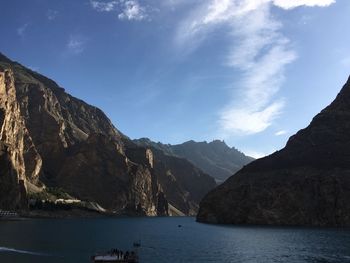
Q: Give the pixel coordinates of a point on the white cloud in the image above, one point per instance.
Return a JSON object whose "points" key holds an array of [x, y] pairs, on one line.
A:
{"points": [[132, 10], [281, 132], [76, 44], [247, 120], [22, 29], [258, 49], [126, 9], [289, 4], [104, 6]]}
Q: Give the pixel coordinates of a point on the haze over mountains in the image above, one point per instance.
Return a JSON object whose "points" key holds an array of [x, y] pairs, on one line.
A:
{"points": [[306, 183], [215, 158], [51, 139]]}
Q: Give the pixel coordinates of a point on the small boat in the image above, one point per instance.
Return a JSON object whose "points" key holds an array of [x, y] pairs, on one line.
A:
{"points": [[110, 258], [117, 256]]}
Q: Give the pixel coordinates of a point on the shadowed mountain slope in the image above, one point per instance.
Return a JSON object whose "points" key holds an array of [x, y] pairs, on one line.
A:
{"points": [[306, 183]]}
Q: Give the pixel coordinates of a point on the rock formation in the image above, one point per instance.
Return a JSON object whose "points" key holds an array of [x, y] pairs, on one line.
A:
{"points": [[214, 158], [306, 183], [51, 139]]}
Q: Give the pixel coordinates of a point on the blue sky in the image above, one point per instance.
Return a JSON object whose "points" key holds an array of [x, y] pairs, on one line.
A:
{"points": [[250, 72]]}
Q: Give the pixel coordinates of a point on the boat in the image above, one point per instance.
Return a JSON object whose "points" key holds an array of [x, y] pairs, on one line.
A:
{"points": [[116, 256]]}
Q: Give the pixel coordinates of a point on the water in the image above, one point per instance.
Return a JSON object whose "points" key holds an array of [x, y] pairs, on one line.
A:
{"points": [[74, 241]]}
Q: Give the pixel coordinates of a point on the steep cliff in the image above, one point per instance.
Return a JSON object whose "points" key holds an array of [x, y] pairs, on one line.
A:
{"points": [[306, 183], [214, 158], [10, 195], [51, 139]]}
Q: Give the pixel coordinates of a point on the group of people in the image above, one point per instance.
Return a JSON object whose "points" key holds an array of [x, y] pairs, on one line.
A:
{"points": [[123, 256]]}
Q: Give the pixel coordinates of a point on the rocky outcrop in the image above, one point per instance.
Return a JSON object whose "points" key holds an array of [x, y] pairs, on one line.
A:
{"points": [[51, 139], [214, 158], [184, 184], [306, 183]]}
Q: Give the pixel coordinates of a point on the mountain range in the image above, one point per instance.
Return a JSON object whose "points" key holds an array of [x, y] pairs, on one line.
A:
{"points": [[214, 158]]}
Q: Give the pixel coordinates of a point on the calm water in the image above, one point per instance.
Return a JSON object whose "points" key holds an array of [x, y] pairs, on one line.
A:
{"points": [[74, 241]]}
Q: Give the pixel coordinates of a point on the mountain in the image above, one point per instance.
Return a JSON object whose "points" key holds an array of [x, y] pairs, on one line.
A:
{"points": [[214, 158], [51, 140], [305, 183]]}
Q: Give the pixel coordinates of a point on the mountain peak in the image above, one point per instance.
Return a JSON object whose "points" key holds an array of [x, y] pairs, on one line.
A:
{"points": [[218, 142]]}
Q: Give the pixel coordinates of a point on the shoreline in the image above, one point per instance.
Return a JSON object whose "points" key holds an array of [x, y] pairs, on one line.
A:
{"points": [[72, 214]]}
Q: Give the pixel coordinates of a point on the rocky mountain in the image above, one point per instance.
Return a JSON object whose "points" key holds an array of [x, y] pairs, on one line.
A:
{"points": [[306, 183], [214, 158], [51, 139]]}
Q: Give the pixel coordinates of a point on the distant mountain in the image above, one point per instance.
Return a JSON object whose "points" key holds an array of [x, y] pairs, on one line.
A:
{"points": [[306, 183], [214, 158], [49, 139]]}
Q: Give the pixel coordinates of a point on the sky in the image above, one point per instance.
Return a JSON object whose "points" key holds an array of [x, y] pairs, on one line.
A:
{"points": [[249, 72]]}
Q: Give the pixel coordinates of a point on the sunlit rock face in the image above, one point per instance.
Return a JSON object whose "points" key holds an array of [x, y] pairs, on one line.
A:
{"points": [[306, 183], [51, 139]]}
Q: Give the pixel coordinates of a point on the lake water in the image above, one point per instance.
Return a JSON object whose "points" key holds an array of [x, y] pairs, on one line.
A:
{"points": [[75, 240]]}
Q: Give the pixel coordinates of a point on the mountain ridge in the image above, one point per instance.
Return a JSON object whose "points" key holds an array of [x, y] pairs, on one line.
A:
{"points": [[215, 158]]}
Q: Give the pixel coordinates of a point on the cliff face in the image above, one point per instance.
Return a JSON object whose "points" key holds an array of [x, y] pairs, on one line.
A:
{"points": [[214, 158], [306, 183], [51, 139], [10, 195]]}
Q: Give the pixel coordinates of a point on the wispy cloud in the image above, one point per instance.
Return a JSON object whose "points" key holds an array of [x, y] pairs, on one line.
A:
{"points": [[104, 6], [51, 14], [126, 9], [76, 44], [22, 29], [132, 10], [289, 4], [258, 50], [281, 132]]}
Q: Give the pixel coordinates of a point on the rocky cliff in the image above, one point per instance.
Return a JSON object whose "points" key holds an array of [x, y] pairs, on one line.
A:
{"points": [[306, 183], [214, 158], [51, 139]]}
